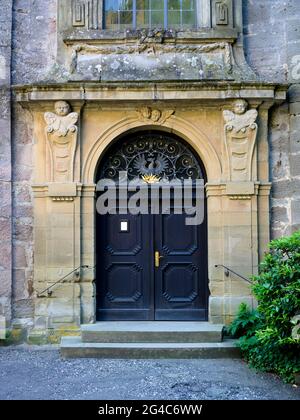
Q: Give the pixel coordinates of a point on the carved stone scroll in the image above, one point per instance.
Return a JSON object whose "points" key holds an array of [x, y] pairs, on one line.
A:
{"points": [[61, 133], [240, 137]]}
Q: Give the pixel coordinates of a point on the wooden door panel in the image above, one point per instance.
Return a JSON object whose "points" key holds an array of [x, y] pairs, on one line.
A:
{"points": [[181, 279], [179, 282], [176, 237], [124, 270], [123, 243]]}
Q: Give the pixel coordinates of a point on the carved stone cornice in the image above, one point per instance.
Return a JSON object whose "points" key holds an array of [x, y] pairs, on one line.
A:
{"points": [[238, 191], [57, 191], [189, 91]]}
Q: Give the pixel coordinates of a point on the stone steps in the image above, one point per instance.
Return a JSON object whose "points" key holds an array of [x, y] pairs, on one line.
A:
{"points": [[149, 340], [151, 332], [73, 347]]}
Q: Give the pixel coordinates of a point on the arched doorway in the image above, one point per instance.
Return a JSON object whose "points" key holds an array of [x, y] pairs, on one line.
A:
{"points": [[151, 266]]}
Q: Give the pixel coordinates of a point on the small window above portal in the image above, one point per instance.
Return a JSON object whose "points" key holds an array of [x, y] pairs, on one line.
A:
{"points": [[150, 14], [85, 18]]}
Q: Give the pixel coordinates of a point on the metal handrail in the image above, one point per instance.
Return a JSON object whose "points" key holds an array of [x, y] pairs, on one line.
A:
{"points": [[49, 293], [227, 270]]}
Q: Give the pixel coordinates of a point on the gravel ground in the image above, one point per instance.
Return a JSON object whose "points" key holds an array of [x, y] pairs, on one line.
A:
{"points": [[34, 373]]}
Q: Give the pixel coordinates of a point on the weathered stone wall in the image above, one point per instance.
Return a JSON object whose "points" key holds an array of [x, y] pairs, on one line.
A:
{"points": [[34, 40], [33, 57], [272, 44], [5, 162], [22, 214]]}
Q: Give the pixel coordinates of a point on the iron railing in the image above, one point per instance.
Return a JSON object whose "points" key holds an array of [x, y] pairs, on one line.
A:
{"points": [[61, 280], [228, 270]]}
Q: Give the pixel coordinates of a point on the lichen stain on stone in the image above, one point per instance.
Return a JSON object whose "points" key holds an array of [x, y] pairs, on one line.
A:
{"points": [[2, 67], [115, 65]]}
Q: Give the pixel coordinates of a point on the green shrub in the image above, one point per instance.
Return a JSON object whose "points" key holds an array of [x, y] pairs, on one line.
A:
{"points": [[266, 339], [245, 324]]}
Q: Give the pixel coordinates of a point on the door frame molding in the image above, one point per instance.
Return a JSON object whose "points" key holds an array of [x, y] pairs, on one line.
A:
{"points": [[152, 275], [225, 294]]}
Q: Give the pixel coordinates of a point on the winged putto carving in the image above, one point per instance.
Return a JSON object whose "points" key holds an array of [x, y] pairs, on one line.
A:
{"points": [[61, 131], [62, 121], [240, 119], [240, 137]]}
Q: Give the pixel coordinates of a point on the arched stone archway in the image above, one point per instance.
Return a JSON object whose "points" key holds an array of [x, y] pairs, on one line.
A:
{"points": [[180, 127], [133, 283]]}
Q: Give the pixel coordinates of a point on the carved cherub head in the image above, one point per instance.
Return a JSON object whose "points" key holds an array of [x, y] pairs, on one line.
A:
{"points": [[146, 112], [156, 114], [62, 108], [240, 106]]}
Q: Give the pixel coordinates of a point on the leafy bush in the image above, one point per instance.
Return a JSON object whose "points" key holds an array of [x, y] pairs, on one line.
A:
{"points": [[245, 324], [266, 338]]}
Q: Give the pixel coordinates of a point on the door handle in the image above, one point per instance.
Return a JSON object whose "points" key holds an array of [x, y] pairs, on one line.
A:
{"points": [[157, 259]]}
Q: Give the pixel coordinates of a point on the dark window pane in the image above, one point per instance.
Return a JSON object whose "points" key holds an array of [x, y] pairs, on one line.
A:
{"points": [[142, 4], [174, 19], [189, 5], [126, 19], [188, 20], [157, 19], [111, 20], [142, 19], [174, 4], [125, 4], [157, 4]]}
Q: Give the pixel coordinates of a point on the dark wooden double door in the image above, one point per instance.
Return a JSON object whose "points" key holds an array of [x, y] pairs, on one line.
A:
{"points": [[131, 285]]}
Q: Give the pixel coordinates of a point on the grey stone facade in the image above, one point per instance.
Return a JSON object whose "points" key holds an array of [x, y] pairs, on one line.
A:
{"points": [[272, 44], [28, 45], [5, 161]]}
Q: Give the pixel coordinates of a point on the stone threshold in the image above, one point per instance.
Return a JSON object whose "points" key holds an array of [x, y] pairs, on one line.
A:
{"points": [[152, 326], [73, 347]]}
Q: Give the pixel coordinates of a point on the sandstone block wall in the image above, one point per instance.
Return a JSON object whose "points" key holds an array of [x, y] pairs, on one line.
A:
{"points": [[28, 55]]}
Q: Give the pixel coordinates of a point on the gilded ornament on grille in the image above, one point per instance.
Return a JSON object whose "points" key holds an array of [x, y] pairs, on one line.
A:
{"points": [[150, 178]]}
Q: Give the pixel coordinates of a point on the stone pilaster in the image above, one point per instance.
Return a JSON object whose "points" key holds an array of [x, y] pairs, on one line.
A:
{"points": [[57, 256], [233, 218], [57, 227]]}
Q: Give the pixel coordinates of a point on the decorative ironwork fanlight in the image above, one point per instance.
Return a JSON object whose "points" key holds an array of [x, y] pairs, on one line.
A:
{"points": [[152, 157]]}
